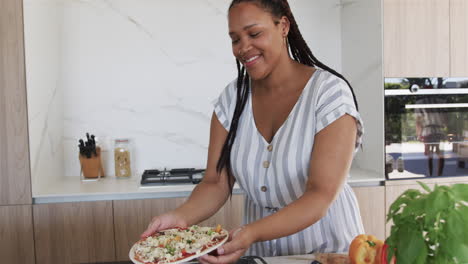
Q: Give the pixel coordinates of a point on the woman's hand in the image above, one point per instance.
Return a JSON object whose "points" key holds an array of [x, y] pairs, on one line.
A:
{"points": [[239, 241], [164, 221]]}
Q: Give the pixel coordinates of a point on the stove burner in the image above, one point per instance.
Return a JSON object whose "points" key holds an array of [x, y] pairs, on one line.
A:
{"points": [[174, 176]]}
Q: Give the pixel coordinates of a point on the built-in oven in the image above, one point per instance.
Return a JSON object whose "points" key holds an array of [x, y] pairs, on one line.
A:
{"points": [[426, 127]]}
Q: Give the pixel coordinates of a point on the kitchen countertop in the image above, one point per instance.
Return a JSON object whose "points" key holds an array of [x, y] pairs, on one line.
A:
{"points": [[71, 189], [296, 259]]}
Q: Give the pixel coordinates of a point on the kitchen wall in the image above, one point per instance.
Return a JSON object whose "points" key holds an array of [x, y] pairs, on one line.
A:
{"points": [[145, 70], [362, 63], [42, 20]]}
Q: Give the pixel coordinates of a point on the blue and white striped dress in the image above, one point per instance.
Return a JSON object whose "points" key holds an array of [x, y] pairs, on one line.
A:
{"points": [[275, 174]]}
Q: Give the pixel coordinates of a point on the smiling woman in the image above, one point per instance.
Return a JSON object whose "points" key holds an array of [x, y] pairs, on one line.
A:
{"points": [[286, 131]]}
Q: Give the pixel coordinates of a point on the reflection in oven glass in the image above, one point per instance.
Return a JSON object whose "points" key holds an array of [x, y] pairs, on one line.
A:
{"points": [[426, 127]]}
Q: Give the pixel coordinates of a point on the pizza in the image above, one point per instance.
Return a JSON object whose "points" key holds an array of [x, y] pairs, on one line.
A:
{"points": [[178, 245]]}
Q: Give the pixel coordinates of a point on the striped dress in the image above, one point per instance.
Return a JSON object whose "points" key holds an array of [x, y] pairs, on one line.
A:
{"points": [[275, 174]]}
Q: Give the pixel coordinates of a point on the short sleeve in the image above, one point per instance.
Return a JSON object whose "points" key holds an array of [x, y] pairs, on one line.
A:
{"points": [[225, 104], [333, 101]]}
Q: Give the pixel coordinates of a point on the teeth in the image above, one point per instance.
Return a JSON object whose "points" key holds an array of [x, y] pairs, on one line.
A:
{"points": [[251, 59]]}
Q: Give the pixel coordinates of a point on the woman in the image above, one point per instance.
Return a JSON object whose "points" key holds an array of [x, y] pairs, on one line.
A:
{"points": [[286, 131]]}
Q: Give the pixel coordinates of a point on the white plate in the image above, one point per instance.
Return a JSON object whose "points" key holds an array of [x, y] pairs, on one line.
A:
{"points": [[204, 252]]}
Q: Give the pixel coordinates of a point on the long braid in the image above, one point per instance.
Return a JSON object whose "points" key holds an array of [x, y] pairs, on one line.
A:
{"points": [[300, 52], [243, 88]]}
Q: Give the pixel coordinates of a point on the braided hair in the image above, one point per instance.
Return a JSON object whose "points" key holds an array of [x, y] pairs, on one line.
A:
{"points": [[300, 52]]}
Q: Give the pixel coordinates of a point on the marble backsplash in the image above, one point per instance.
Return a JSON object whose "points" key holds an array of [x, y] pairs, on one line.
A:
{"points": [[141, 69], [362, 64]]}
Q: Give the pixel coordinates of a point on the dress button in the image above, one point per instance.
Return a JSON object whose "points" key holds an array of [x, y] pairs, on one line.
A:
{"points": [[266, 164], [270, 148], [263, 188]]}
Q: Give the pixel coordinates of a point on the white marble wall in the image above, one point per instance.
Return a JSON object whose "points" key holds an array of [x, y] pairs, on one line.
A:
{"points": [[362, 65], [44, 91], [143, 69]]}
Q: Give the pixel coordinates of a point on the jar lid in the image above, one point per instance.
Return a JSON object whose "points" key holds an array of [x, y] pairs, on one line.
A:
{"points": [[122, 140]]}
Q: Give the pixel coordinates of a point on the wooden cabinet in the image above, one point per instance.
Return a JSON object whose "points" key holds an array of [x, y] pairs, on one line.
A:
{"points": [[371, 204], [15, 178], [425, 38], [131, 218], [396, 188], [417, 38], [230, 216], [16, 234], [459, 38], [69, 233]]}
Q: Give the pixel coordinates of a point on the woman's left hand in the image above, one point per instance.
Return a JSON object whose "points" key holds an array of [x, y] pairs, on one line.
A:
{"points": [[239, 241]]}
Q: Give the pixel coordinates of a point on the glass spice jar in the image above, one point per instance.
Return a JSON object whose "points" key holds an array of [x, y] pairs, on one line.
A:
{"points": [[122, 158]]}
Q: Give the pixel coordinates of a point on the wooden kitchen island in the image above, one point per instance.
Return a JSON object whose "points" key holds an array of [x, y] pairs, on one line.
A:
{"points": [[97, 222], [324, 258], [84, 223]]}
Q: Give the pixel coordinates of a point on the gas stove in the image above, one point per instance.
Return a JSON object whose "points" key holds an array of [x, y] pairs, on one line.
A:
{"points": [[171, 177]]}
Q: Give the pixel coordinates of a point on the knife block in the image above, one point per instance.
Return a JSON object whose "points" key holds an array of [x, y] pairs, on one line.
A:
{"points": [[91, 168]]}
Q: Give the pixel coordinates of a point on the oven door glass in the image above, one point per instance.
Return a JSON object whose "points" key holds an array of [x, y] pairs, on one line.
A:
{"points": [[426, 127]]}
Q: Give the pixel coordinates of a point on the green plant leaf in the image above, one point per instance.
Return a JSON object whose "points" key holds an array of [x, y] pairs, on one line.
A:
{"points": [[425, 187], [396, 205], [411, 247], [456, 226], [430, 227], [421, 258], [436, 202], [401, 201], [463, 210], [414, 208], [442, 258], [456, 249], [432, 235], [412, 193], [391, 240], [461, 192], [390, 253]]}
